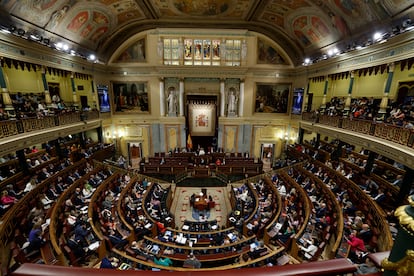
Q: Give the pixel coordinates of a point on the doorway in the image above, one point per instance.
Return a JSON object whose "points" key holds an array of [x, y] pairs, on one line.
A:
{"points": [[267, 151], [84, 101], [201, 121]]}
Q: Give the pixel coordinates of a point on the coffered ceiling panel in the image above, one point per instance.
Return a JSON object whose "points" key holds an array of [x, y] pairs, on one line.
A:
{"points": [[300, 27]]}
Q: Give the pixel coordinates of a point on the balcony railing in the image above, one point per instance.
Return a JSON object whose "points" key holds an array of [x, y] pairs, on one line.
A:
{"points": [[393, 133], [15, 127]]}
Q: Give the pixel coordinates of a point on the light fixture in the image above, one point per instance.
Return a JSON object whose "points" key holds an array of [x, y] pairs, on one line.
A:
{"points": [[35, 37], [5, 30], [58, 45], [21, 32], [91, 57], [377, 36]]}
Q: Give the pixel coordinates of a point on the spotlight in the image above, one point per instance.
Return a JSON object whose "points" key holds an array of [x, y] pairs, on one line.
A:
{"points": [[5, 30], [35, 37], [59, 45], [406, 23], [21, 32], [92, 57], [377, 36]]}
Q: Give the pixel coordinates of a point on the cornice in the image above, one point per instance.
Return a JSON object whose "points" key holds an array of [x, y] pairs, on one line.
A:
{"points": [[27, 51], [395, 49]]}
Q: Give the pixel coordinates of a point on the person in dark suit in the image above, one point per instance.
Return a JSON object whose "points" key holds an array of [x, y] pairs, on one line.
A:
{"points": [[76, 247], [380, 197]]}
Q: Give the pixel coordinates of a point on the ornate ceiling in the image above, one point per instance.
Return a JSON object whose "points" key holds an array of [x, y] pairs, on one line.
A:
{"points": [[300, 27]]}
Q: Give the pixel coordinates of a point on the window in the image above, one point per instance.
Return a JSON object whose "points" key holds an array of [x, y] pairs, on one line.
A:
{"points": [[232, 52], [172, 51], [204, 52]]}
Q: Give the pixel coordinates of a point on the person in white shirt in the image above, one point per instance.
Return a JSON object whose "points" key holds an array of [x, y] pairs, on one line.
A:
{"points": [[282, 190]]}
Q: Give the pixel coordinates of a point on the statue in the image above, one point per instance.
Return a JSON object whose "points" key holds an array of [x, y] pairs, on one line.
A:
{"points": [[231, 103], [172, 103]]}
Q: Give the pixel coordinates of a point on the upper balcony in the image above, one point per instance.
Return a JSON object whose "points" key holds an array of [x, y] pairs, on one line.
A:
{"points": [[20, 134], [386, 139]]}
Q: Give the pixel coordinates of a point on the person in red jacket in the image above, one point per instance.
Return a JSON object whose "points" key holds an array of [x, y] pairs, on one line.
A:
{"points": [[357, 249]]}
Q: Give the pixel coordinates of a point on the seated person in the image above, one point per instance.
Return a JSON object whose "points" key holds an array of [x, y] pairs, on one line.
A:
{"points": [[116, 239], [162, 261], [357, 247], [192, 262], [109, 262], [36, 240], [76, 247]]}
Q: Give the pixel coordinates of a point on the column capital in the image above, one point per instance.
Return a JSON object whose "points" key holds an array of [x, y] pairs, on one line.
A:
{"points": [[391, 67]]}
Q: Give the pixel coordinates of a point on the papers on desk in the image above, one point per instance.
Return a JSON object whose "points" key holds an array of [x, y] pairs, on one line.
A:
{"points": [[232, 237], [46, 224], [148, 225], [94, 246], [84, 209], [181, 239], [186, 227]]}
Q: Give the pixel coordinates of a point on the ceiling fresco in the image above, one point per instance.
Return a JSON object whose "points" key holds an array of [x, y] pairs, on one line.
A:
{"points": [[300, 27]]}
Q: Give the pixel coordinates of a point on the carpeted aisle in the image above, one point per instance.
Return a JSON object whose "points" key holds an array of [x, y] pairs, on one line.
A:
{"points": [[183, 210]]}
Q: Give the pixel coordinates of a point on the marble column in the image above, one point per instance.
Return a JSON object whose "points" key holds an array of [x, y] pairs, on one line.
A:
{"points": [[74, 96], [222, 98], [162, 98], [241, 98], [181, 99]]}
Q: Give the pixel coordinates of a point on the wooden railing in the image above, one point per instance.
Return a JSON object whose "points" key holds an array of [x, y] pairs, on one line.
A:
{"points": [[15, 127], [385, 131]]}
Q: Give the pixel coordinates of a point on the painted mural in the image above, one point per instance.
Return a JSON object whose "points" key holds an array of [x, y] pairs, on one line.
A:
{"points": [[272, 98], [131, 97], [267, 54], [135, 53]]}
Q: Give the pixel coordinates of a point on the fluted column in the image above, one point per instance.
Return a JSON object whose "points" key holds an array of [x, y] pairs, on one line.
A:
{"points": [[325, 91], [48, 99], [181, 100], [222, 98], [384, 101], [8, 105], [241, 98], [162, 98], [348, 99], [74, 96]]}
